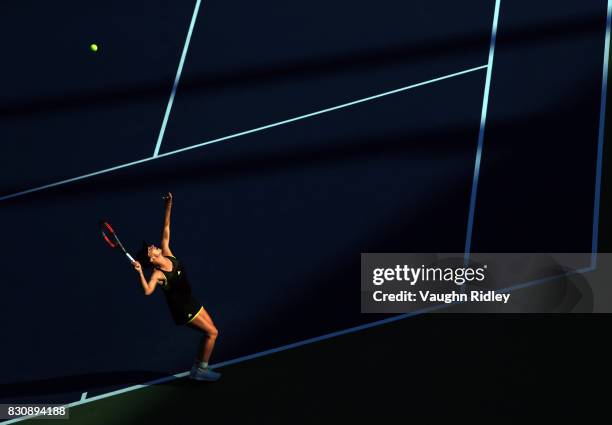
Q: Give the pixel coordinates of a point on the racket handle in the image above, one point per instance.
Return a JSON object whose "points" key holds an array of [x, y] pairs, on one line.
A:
{"points": [[130, 257]]}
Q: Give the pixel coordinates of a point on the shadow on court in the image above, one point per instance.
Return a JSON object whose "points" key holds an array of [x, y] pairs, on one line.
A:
{"points": [[427, 367], [367, 60]]}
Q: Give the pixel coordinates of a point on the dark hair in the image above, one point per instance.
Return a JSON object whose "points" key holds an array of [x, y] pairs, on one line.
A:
{"points": [[142, 256]]}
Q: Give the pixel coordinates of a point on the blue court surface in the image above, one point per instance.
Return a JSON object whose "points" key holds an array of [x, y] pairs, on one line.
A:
{"points": [[294, 137]]}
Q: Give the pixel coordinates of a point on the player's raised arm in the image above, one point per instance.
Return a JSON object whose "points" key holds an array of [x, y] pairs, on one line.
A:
{"points": [[165, 240]]}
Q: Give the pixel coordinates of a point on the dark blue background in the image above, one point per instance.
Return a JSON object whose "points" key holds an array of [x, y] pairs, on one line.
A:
{"points": [[271, 225]]}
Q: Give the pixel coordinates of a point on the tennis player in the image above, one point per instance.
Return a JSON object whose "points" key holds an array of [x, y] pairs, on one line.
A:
{"points": [[170, 275]]}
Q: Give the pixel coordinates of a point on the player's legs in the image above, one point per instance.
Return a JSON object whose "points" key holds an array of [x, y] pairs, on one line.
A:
{"points": [[200, 370], [204, 323]]}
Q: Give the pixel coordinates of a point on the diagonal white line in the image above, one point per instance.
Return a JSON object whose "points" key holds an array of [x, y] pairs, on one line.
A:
{"points": [[601, 134], [481, 132], [176, 79], [243, 133], [323, 111]]}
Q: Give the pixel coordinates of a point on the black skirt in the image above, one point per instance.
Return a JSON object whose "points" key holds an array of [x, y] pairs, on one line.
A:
{"points": [[183, 310]]}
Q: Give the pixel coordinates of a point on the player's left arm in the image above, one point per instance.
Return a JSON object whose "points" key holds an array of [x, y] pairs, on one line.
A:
{"points": [[165, 241]]}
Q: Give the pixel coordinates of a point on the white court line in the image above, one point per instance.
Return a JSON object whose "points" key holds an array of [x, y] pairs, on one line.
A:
{"points": [[243, 133], [601, 133], [176, 79], [481, 132], [84, 396]]}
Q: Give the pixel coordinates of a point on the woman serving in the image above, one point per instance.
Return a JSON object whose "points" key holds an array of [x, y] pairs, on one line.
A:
{"points": [[169, 274]]}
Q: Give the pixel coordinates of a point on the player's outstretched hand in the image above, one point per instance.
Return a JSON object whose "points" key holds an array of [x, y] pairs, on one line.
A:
{"points": [[168, 198], [137, 266]]}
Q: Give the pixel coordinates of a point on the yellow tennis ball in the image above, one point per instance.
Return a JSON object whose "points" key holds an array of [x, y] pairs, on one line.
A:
{"points": [[93, 47]]}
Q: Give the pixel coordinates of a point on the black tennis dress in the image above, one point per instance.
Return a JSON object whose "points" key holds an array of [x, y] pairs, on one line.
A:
{"points": [[183, 306]]}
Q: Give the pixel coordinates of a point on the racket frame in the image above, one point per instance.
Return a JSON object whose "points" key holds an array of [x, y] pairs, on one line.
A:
{"points": [[117, 243]]}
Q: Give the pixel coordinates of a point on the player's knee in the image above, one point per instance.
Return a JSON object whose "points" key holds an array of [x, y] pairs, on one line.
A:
{"points": [[213, 333]]}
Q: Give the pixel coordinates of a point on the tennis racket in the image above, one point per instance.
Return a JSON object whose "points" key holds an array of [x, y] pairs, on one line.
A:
{"points": [[112, 240]]}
